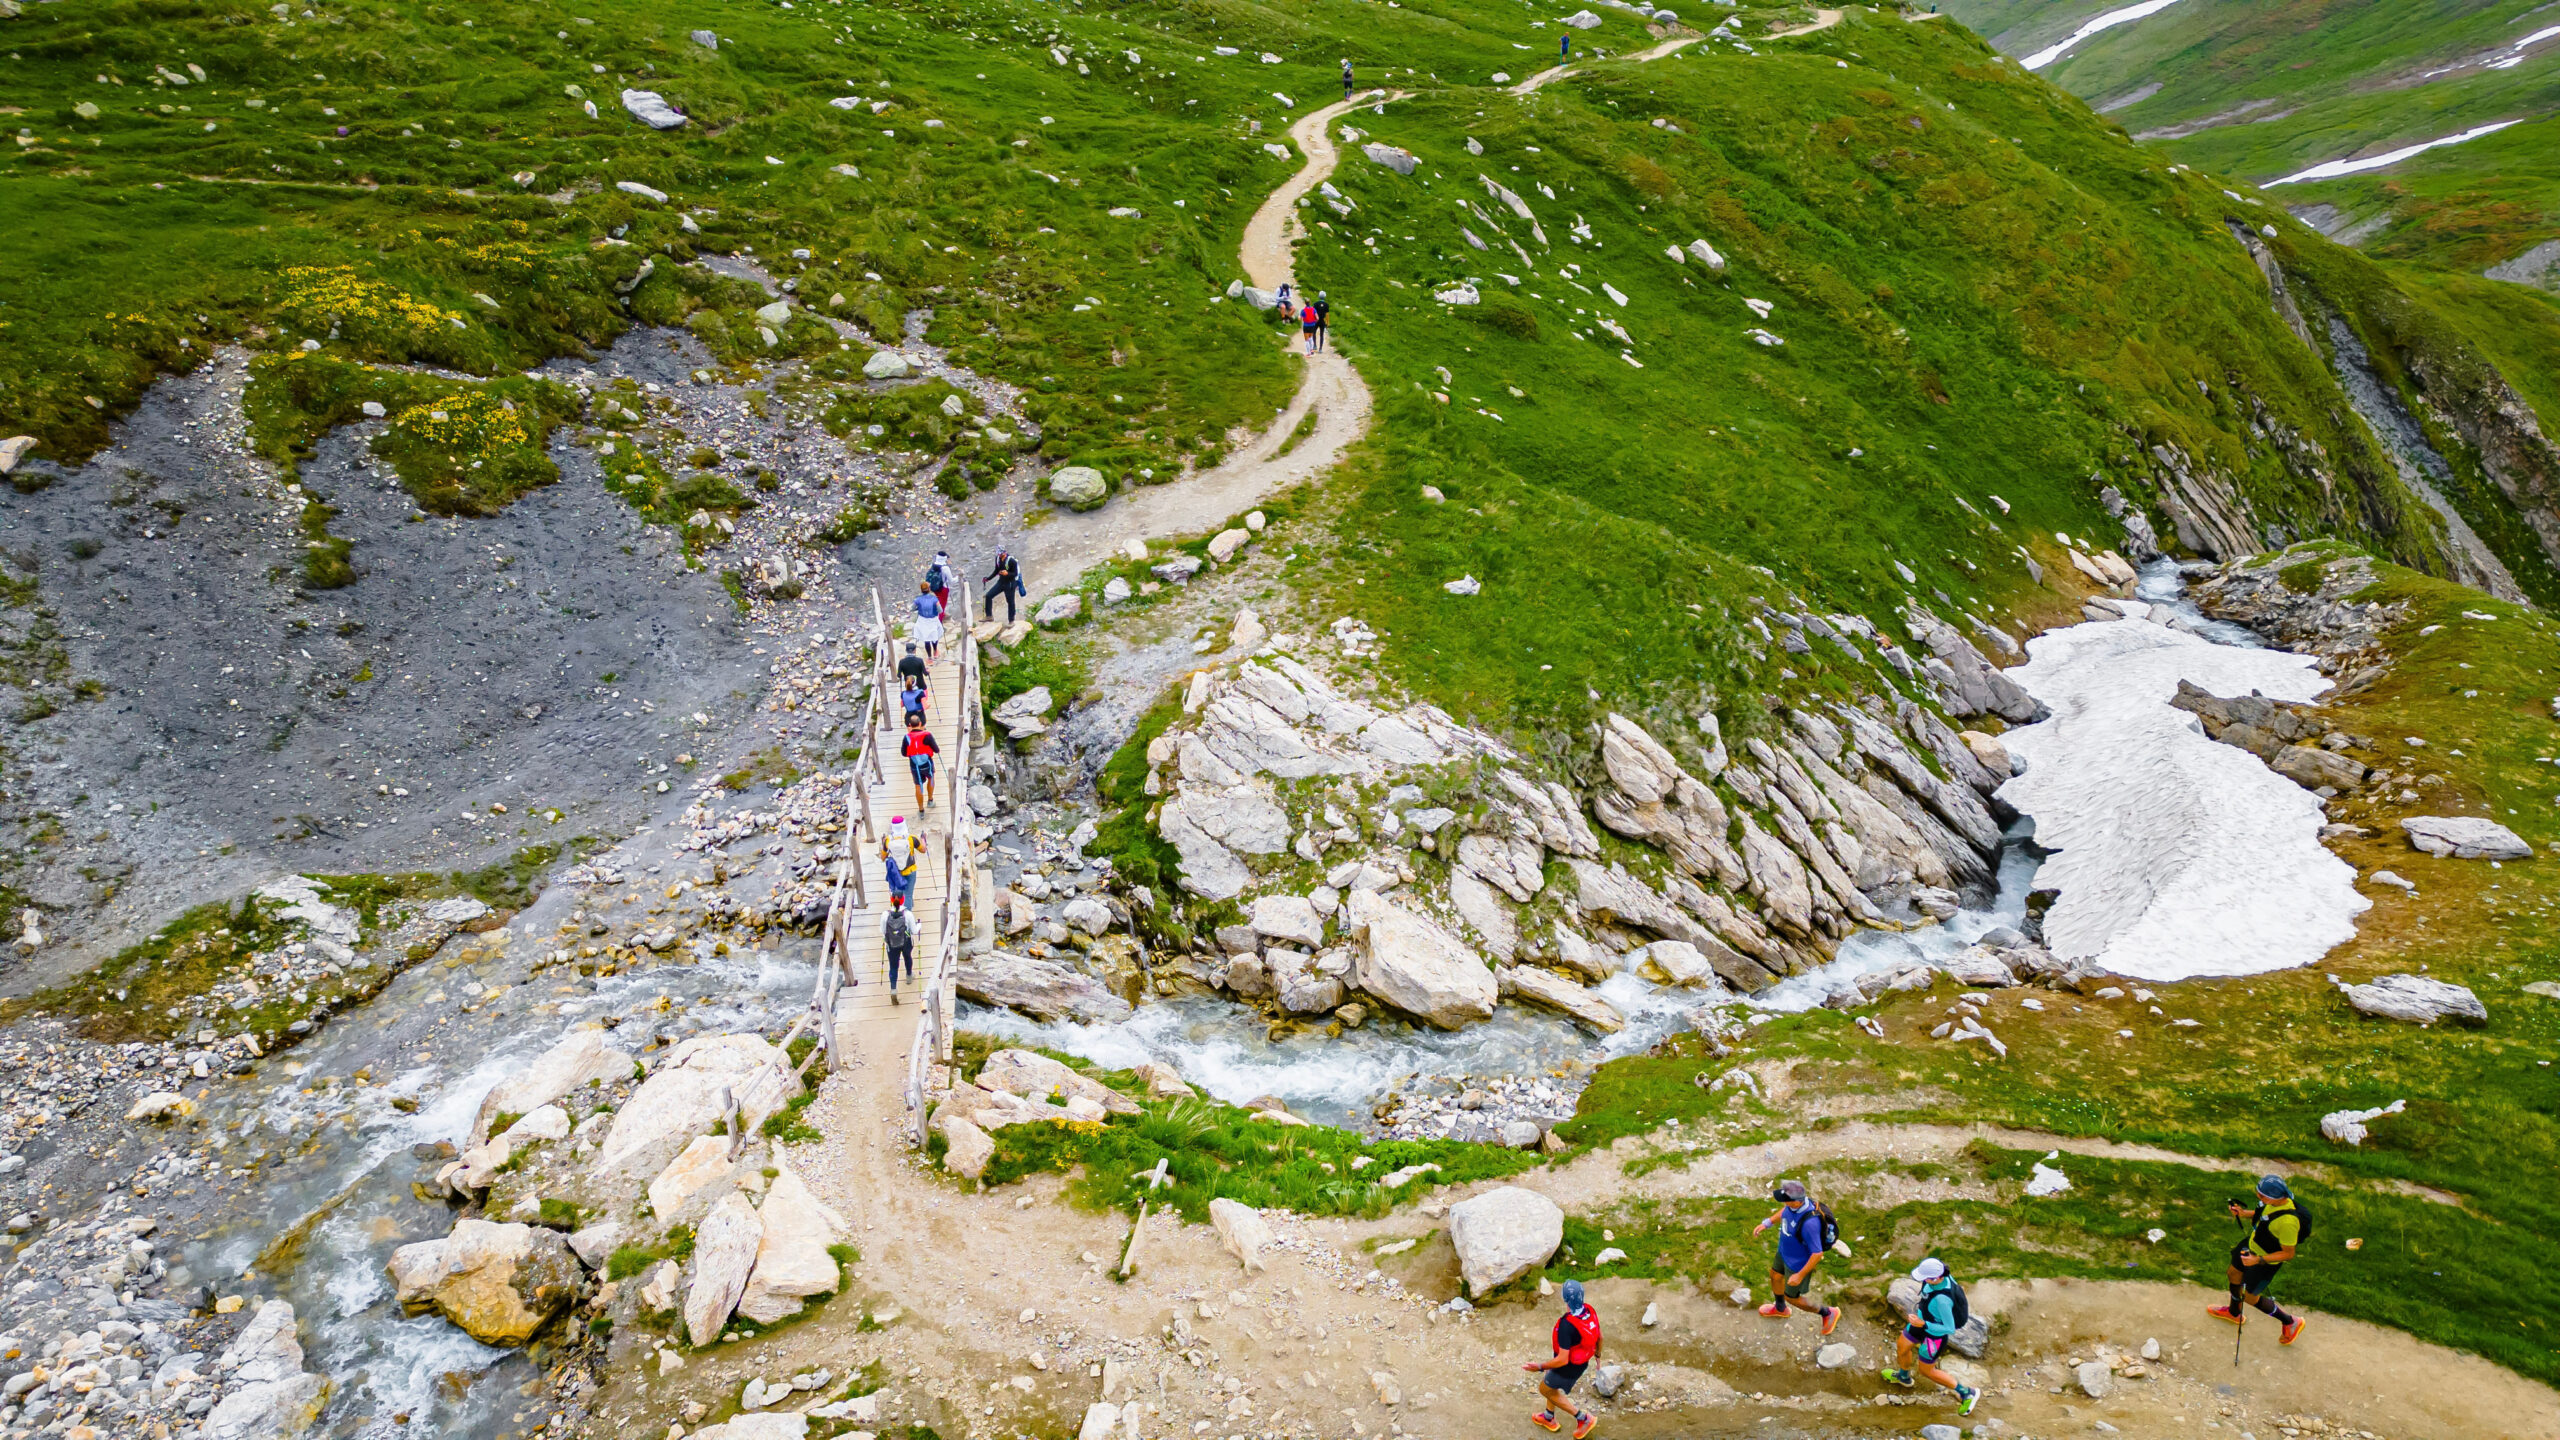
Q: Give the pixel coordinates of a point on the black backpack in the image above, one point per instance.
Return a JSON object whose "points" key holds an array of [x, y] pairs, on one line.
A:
{"points": [[901, 930], [2301, 1217], [1830, 1226], [1957, 1305]]}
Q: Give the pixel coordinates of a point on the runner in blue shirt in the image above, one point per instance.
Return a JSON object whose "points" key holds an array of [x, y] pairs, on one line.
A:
{"points": [[1800, 1249]]}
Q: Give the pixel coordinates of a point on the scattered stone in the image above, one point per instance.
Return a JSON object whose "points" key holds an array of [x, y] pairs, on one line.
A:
{"points": [[886, 365], [2417, 999], [2095, 1379], [1244, 1232], [1060, 608], [1224, 545], [1394, 158], [2465, 837], [651, 109], [1838, 1355]]}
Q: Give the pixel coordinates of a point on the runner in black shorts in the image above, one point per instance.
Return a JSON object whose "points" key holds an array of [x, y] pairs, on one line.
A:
{"points": [[1577, 1343]]}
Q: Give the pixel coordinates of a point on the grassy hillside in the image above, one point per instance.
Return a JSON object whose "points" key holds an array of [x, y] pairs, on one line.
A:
{"points": [[2263, 89]]}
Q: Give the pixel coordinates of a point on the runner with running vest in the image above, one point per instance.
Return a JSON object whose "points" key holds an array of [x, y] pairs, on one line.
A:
{"points": [[919, 747], [2277, 1228], [1925, 1332], [1806, 1232], [1577, 1344]]}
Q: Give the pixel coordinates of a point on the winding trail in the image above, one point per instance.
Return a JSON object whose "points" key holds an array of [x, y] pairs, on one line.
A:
{"points": [[1554, 73], [1066, 544]]}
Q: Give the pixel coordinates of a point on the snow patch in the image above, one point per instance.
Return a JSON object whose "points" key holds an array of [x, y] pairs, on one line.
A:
{"points": [[2113, 18], [2331, 170], [2178, 856]]}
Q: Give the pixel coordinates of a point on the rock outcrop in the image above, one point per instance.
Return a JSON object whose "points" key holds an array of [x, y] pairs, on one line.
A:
{"points": [[1041, 989], [2465, 837], [792, 1260], [724, 1255], [271, 1397], [1414, 964], [2417, 999], [698, 1085], [580, 1058], [1037, 1077]]}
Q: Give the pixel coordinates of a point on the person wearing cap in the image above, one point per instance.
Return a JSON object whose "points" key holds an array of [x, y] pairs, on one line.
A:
{"points": [[913, 666], [1925, 1333], [1800, 1249], [903, 854], [1006, 580], [1577, 1342], [2275, 1229]]}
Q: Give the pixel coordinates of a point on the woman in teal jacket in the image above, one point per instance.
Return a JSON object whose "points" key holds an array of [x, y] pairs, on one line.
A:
{"points": [[1926, 1334]]}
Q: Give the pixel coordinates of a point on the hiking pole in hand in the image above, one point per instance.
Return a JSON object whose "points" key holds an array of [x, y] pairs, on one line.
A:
{"points": [[2239, 1322]]}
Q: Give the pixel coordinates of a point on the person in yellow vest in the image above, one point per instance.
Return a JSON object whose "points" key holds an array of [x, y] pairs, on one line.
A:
{"points": [[2277, 1228]]}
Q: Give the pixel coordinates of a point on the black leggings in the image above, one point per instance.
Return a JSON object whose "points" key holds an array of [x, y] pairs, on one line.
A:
{"points": [[1007, 592], [897, 954]]}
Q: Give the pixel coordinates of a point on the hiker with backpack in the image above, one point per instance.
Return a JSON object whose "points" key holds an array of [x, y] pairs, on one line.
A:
{"points": [[898, 939], [1577, 1344], [920, 748], [1307, 326], [2277, 1229], [1926, 1331], [1806, 1232], [928, 626], [902, 855], [1006, 579], [941, 577], [913, 697]]}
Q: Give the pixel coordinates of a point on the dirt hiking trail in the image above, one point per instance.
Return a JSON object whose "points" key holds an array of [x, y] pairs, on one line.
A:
{"points": [[1066, 544], [1554, 73]]}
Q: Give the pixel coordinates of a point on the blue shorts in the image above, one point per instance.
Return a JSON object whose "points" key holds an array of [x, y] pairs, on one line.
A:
{"points": [[921, 767]]}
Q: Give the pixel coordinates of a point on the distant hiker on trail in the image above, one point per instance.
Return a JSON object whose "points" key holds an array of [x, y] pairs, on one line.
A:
{"points": [[2277, 1228], [928, 628], [898, 938], [1324, 314], [1307, 326], [942, 577], [1346, 77], [1007, 580], [1926, 1331], [1577, 1343], [1805, 1232], [913, 667], [919, 746], [902, 854], [1564, 50]]}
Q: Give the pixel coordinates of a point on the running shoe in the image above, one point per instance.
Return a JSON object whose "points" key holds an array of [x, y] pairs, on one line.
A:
{"points": [[1830, 1318], [1902, 1378], [1775, 1310], [2292, 1328], [2225, 1312], [1545, 1419], [1583, 1427], [1966, 1398]]}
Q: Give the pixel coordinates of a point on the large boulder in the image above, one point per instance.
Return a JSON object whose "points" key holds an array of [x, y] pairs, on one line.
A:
{"points": [[2465, 837], [698, 1166], [500, 1283], [2417, 999], [579, 1058], [1078, 487], [792, 1263], [1041, 989], [1242, 1230], [1399, 160], [887, 365], [1503, 1234], [1970, 1339], [966, 1148], [1412, 963], [1547, 988], [270, 1396], [1306, 984], [693, 1089], [1485, 913], [1060, 608], [1037, 1077], [724, 1255]]}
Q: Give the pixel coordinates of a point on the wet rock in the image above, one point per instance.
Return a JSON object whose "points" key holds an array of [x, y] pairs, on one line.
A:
{"points": [[2465, 837], [1242, 1230], [2417, 999], [1502, 1235], [1037, 1077], [724, 1254], [270, 1394], [1412, 963], [500, 1283], [1041, 989], [1547, 988], [580, 1058], [792, 1263]]}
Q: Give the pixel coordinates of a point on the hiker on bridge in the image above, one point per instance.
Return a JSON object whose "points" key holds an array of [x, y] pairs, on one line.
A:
{"points": [[898, 941], [902, 855], [920, 748], [928, 626]]}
